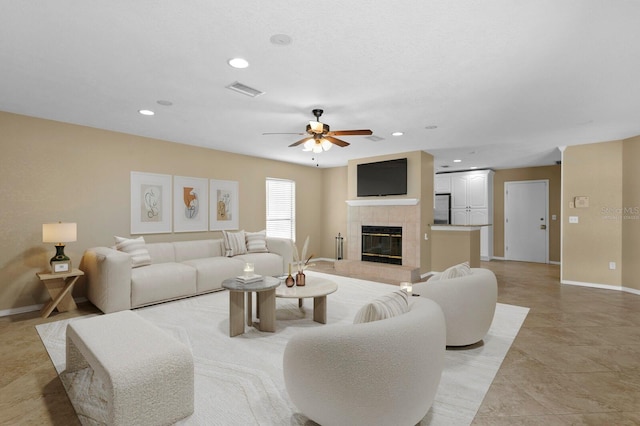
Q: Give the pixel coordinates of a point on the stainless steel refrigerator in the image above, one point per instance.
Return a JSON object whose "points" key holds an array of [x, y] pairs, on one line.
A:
{"points": [[442, 209]]}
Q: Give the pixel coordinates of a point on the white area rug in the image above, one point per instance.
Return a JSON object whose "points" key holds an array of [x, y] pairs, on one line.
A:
{"points": [[239, 380]]}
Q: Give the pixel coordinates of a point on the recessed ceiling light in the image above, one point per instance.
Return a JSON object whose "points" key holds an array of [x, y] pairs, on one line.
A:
{"points": [[397, 134], [431, 127], [146, 112], [457, 161], [238, 63]]}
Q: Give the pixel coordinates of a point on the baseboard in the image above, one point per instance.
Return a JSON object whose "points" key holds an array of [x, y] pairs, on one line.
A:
{"points": [[601, 286], [32, 308], [323, 259]]}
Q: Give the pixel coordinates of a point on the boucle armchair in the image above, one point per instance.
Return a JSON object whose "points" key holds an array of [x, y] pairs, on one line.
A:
{"points": [[468, 303], [384, 372]]}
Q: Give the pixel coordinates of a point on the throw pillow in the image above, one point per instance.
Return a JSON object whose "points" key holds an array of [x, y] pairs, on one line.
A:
{"points": [[136, 248], [388, 306], [234, 243], [455, 271], [256, 242]]}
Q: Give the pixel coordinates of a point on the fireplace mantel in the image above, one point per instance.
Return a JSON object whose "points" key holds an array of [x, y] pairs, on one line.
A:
{"points": [[384, 202]]}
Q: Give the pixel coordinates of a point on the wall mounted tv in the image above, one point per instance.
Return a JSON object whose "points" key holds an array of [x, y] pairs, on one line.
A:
{"points": [[382, 178]]}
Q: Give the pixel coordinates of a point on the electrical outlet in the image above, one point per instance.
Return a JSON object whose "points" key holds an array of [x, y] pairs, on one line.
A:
{"points": [[612, 265], [573, 219]]}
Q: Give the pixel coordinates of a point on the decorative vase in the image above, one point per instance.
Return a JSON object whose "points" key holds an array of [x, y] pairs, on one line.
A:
{"points": [[300, 277], [289, 281]]}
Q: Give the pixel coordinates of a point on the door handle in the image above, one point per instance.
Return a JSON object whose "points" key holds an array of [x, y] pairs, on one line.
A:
{"points": [[543, 226]]}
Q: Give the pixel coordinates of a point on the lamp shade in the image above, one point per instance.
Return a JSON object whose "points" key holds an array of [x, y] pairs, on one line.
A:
{"points": [[59, 232]]}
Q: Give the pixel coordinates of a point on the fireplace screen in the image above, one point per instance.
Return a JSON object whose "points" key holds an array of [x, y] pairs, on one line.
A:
{"points": [[382, 244]]}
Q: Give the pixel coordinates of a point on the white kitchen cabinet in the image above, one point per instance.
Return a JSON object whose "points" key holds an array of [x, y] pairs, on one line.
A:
{"points": [[472, 204], [471, 189]]}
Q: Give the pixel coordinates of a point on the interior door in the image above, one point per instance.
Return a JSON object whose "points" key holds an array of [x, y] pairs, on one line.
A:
{"points": [[526, 233]]}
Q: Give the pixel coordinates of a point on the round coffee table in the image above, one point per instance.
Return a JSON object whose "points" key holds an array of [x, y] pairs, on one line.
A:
{"points": [[266, 306], [315, 287]]}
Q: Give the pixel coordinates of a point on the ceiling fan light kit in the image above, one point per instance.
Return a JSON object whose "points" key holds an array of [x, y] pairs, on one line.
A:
{"points": [[321, 137]]}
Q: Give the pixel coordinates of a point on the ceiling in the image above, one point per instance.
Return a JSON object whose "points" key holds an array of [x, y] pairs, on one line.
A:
{"points": [[505, 82]]}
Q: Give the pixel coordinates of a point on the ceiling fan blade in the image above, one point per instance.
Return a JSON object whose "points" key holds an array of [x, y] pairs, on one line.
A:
{"points": [[366, 132], [301, 141], [336, 141], [297, 133]]}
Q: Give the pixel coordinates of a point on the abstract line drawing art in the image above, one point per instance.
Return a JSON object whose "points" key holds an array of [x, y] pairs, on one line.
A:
{"points": [[224, 208], [150, 203], [191, 201], [191, 206]]}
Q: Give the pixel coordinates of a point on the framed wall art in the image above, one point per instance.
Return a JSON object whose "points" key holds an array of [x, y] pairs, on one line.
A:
{"points": [[190, 204], [150, 203], [224, 205]]}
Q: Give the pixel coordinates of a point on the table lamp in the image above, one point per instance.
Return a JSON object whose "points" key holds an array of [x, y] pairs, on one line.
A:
{"points": [[59, 233]]}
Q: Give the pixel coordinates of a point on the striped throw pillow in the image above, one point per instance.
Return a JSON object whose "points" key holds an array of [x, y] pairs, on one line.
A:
{"points": [[234, 243], [256, 242], [461, 270], [387, 306], [136, 248]]}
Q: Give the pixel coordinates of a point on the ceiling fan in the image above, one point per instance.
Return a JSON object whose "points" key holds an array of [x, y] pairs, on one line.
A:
{"points": [[320, 137]]}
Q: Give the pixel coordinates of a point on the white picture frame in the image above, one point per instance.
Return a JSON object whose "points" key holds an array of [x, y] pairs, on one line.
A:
{"points": [[190, 204], [150, 203], [224, 205]]}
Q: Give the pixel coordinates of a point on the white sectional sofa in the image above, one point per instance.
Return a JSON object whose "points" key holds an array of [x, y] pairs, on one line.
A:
{"points": [[177, 269]]}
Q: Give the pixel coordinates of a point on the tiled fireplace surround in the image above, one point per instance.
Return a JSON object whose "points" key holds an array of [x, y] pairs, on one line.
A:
{"points": [[406, 216]]}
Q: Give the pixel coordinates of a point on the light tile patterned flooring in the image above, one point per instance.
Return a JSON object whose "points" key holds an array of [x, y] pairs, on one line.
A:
{"points": [[575, 361]]}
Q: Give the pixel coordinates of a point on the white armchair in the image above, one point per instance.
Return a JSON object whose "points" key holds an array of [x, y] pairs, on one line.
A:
{"points": [[468, 303], [384, 372]]}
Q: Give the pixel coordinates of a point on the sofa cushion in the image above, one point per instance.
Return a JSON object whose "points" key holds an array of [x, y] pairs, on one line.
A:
{"points": [[211, 271], [160, 282], [387, 306], [197, 249], [460, 270], [256, 241], [136, 248], [161, 252], [234, 243], [269, 264]]}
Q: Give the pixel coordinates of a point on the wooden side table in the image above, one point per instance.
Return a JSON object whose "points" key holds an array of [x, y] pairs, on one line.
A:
{"points": [[60, 288]]}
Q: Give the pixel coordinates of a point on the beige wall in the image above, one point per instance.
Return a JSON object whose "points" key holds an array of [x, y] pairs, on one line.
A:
{"points": [[334, 209], [61, 172], [551, 173], [454, 247], [631, 213], [595, 171]]}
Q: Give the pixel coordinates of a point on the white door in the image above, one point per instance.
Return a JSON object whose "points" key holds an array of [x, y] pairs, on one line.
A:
{"points": [[526, 233]]}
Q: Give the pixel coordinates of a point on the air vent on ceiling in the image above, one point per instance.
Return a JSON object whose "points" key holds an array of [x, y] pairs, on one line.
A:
{"points": [[374, 138], [244, 89]]}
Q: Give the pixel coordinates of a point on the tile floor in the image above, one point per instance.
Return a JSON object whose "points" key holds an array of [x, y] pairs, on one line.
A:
{"points": [[575, 361]]}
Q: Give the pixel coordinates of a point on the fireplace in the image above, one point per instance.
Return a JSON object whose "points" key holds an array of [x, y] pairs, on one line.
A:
{"points": [[382, 244]]}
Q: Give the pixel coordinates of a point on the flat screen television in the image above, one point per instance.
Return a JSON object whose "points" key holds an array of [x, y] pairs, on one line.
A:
{"points": [[382, 178]]}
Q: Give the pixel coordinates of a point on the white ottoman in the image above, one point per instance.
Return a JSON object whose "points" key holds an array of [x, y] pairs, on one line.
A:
{"points": [[148, 375]]}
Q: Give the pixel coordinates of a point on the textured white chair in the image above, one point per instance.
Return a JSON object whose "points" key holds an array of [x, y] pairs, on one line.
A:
{"points": [[384, 372], [468, 303]]}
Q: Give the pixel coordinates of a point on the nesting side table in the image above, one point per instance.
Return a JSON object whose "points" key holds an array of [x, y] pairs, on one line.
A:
{"points": [[60, 288]]}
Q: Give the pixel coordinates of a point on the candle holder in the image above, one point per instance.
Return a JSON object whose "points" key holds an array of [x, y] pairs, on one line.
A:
{"points": [[406, 286]]}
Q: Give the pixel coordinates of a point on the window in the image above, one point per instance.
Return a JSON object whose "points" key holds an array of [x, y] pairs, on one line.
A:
{"points": [[281, 208]]}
